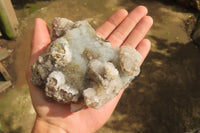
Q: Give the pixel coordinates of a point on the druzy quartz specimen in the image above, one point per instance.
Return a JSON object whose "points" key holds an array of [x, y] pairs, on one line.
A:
{"points": [[82, 69]]}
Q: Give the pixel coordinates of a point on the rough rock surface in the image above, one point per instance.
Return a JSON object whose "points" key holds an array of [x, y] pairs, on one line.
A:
{"points": [[81, 68]]}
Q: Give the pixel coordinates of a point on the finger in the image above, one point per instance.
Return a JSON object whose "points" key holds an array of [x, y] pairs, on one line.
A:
{"points": [[107, 27], [41, 38], [139, 31], [143, 48], [122, 31]]}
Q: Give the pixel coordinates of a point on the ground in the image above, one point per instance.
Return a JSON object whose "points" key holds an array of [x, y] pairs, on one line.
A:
{"points": [[164, 98]]}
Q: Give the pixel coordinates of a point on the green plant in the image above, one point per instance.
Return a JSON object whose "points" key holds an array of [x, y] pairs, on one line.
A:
{"points": [[32, 7]]}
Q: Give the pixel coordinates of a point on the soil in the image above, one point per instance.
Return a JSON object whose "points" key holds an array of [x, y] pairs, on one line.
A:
{"points": [[164, 98]]}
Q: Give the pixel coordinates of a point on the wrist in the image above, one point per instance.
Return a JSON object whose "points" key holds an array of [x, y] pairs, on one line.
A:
{"points": [[42, 126]]}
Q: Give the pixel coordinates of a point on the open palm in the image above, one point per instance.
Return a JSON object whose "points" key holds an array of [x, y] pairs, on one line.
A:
{"points": [[120, 29]]}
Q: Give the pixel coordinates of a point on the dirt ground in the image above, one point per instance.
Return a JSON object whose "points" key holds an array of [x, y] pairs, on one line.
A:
{"points": [[165, 98]]}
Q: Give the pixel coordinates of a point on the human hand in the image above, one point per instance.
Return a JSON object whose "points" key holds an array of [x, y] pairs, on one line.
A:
{"points": [[120, 29]]}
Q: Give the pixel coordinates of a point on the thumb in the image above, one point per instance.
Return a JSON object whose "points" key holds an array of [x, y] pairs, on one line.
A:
{"points": [[41, 39]]}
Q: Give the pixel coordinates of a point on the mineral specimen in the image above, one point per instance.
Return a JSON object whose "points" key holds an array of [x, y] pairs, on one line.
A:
{"points": [[81, 68]]}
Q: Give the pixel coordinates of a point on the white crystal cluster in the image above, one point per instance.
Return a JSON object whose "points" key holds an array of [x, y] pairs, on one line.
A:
{"points": [[81, 68]]}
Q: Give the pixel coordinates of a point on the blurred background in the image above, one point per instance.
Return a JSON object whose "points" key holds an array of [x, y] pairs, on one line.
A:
{"points": [[164, 98]]}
